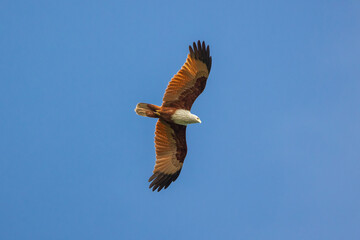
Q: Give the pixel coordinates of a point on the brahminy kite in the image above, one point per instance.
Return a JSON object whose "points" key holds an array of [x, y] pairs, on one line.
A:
{"points": [[174, 115]]}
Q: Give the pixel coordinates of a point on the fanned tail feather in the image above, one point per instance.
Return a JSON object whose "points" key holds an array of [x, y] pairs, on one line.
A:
{"points": [[147, 110]]}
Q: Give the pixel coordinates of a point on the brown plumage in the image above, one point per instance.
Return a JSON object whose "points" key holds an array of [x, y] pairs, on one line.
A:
{"points": [[174, 115]]}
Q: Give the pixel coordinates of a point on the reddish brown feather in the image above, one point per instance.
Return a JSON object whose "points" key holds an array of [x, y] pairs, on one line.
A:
{"points": [[190, 81], [171, 149]]}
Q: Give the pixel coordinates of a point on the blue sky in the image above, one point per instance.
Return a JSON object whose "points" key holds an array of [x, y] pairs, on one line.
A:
{"points": [[276, 157]]}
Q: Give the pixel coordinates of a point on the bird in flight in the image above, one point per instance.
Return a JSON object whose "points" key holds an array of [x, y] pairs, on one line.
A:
{"points": [[174, 115]]}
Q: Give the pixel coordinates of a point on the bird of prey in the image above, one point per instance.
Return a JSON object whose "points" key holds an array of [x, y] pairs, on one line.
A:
{"points": [[174, 115]]}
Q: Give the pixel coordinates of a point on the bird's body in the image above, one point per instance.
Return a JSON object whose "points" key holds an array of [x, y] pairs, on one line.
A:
{"points": [[174, 115]]}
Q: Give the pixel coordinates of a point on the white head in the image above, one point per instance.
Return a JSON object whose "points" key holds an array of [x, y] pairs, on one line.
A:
{"points": [[185, 117], [195, 118]]}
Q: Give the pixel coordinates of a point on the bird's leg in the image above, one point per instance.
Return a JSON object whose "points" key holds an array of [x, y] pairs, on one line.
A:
{"points": [[156, 112]]}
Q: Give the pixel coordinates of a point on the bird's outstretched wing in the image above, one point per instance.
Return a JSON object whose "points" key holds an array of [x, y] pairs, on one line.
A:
{"points": [[170, 145], [190, 81]]}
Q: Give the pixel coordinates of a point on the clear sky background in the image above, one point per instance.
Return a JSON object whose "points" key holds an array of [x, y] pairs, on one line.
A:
{"points": [[276, 157]]}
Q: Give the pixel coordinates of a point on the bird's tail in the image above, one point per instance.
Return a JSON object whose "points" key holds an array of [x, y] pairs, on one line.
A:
{"points": [[147, 110]]}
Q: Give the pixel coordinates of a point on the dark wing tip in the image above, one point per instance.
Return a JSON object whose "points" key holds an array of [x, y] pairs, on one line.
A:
{"points": [[201, 51], [162, 180], [192, 54]]}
